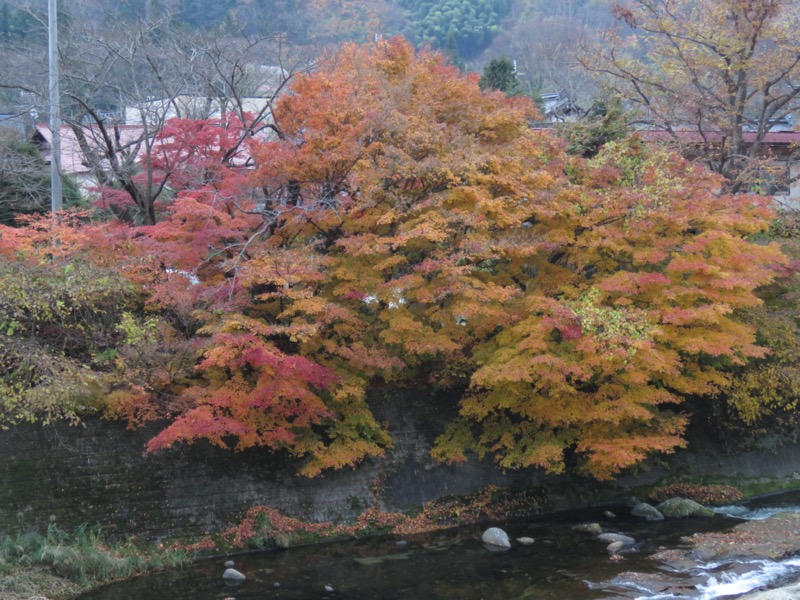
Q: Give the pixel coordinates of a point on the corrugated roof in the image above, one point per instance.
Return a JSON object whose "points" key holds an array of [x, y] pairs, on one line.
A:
{"points": [[777, 138], [73, 159]]}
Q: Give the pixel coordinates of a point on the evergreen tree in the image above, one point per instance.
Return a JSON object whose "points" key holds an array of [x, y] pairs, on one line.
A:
{"points": [[604, 122], [474, 23], [451, 50], [501, 75], [25, 180]]}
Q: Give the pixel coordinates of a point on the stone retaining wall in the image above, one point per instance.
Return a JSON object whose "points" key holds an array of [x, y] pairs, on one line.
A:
{"points": [[98, 473]]}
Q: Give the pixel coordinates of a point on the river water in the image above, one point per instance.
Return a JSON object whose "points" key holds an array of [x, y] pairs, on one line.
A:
{"points": [[561, 564]]}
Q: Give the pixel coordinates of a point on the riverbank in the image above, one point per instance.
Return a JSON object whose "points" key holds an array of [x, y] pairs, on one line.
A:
{"points": [[58, 564], [772, 539], [736, 563], [789, 592], [24, 583], [561, 559]]}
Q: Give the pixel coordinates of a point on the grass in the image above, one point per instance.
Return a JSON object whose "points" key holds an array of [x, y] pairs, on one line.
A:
{"points": [[26, 583], [60, 564]]}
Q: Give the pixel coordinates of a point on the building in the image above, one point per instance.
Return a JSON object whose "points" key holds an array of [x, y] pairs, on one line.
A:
{"points": [[778, 172], [78, 159], [157, 111]]}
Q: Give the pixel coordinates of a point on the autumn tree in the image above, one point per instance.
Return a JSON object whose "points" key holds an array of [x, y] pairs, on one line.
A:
{"points": [[405, 228], [725, 71], [764, 394], [576, 311], [251, 386]]}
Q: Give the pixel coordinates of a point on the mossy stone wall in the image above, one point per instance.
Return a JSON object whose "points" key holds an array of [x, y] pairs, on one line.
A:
{"points": [[98, 473]]}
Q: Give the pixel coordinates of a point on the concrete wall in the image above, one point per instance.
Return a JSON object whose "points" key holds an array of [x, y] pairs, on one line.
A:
{"points": [[98, 473]]}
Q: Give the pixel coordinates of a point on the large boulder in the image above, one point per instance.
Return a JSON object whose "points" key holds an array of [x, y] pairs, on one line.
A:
{"points": [[643, 510], [496, 537], [683, 507]]}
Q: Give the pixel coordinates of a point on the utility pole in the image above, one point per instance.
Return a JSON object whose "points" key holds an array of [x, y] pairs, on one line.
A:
{"points": [[55, 118]]}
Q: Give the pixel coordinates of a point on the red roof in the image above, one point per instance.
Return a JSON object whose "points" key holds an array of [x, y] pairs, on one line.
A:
{"points": [[775, 138], [73, 160]]}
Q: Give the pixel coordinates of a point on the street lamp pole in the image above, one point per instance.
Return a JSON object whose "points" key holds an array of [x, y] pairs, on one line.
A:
{"points": [[56, 192]]}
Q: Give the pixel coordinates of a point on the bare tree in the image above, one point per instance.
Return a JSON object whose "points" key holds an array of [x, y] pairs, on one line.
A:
{"points": [[230, 73], [720, 73], [147, 73], [122, 79], [544, 39]]}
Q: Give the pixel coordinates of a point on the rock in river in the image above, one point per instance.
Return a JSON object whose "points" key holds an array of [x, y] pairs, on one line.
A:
{"points": [[593, 528], [683, 507], [494, 536], [614, 547], [616, 537], [233, 576], [525, 541], [646, 511]]}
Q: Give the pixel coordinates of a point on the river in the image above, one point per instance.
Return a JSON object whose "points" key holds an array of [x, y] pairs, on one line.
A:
{"points": [[562, 564]]}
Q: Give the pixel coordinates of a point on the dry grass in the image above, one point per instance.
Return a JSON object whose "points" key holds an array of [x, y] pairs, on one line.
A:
{"points": [[59, 564], [36, 583]]}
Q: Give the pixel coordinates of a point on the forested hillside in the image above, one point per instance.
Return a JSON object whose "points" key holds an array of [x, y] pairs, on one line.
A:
{"points": [[466, 27]]}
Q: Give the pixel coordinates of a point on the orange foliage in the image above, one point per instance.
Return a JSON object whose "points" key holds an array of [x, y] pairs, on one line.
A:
{"points": [[405, 226], [582, 308]]}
